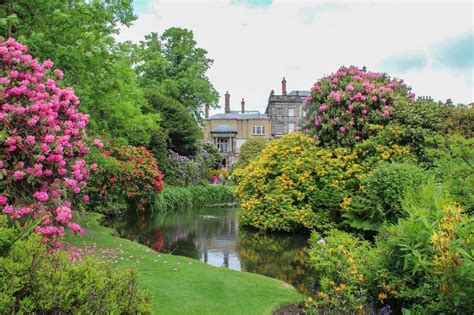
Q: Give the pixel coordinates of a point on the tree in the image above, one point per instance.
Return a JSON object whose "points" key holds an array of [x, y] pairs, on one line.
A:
{"points": [[250, 150], [174, 65], [78, 35], [182, 130]]}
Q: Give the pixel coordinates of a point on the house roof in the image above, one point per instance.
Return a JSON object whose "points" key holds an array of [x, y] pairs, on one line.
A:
{"points": [[240, 116], [224, 128], [300, 93]]}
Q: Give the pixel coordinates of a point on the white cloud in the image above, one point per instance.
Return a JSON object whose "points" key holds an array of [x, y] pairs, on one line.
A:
{"points": [[253, 48]]}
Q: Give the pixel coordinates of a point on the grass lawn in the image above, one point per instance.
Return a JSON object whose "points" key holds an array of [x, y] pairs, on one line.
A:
{"points": [[181, 285]]}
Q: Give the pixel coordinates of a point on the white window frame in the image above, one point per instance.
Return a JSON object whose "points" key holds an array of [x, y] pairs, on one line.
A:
{"points": [[223, 144], [279, 111], [292, 129], [279, 128], [258, 130], [291, 112]]}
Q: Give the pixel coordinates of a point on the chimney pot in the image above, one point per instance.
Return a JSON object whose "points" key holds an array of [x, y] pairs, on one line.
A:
{"points": [[283, 86], [243, 105], [227, 102]]}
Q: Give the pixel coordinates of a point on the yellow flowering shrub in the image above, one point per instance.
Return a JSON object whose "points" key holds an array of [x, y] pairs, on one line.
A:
{"points": [[277, 189], [294, 184]]}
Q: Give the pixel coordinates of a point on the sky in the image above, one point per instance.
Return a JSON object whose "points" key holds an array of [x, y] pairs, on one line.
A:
{"points": [[255, 43]]}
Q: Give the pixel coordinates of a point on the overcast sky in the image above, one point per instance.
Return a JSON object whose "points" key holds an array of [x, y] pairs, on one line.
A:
{"points": [[255, 43]]}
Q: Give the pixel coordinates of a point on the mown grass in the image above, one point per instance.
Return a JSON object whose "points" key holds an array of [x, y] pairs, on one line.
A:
{"points": [[181, 285], [173, 198]]}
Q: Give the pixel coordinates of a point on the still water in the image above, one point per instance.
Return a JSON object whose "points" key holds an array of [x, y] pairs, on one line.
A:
{"points": [[213, 235]]}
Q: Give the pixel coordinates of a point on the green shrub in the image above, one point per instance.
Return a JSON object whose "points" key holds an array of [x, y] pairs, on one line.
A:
{"points": [[380, 200], [452, 160], [250, 150], [339, 259], [423, 263], [35, 281]]}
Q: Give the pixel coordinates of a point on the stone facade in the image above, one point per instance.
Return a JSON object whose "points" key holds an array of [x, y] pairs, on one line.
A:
{"points": [[229, 130], [285, 110]]}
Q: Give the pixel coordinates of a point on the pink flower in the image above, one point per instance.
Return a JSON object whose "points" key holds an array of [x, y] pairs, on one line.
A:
{"points": [[3, 200], [85, 198], [41, 196], [364, 112], [374, 98], [8, 209], [31, 140], [349, 88], [322, 108], [94, 166], [75, 227], [98, 143], [48, 64], [59, 74], [342, 129], [19, 175]]}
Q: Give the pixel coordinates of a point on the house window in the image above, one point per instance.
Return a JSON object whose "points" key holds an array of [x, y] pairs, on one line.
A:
{"points": [[223, 144], [279, 128], [258, 130], [291, 112], [291, 127], [279, 111]]}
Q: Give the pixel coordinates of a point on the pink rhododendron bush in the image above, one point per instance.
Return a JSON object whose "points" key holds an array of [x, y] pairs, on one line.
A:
{"points": [[42, 144], [351, 104]]}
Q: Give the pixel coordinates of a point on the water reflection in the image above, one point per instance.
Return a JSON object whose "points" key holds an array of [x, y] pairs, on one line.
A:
{"points": [[214, 237]]}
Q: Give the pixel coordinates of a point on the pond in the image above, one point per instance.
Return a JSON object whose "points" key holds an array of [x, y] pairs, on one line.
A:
{"points": [[213, 235]]}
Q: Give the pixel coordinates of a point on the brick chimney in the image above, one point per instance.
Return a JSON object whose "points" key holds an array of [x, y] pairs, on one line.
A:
{"points": [[206, 111], [283, 86], [227, 102], [243, 105]]}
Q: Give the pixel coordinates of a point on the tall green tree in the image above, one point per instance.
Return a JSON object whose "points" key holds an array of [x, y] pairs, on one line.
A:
{"points": [[78, 35], [182, 130], [174, 65]]}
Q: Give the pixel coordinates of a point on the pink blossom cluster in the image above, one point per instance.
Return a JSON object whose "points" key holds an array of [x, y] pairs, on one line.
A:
{"points": [[41, 159], [342, 104]]}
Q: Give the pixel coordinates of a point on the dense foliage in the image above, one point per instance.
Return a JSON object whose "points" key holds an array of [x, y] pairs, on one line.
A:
{"points": [[35, 281], [250, 150], [79, 36], [421, 263], [344, 106], [173, 65], [278, 189], [125, 175], [304, 186]]}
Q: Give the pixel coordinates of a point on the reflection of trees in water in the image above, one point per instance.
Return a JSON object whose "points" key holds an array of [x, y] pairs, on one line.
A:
{"points": [[188, 233], [278, 256], [196, 232]]}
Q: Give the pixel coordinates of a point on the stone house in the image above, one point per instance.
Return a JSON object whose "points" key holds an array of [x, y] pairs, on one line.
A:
{"points": [[285, 110], [229, 130]]}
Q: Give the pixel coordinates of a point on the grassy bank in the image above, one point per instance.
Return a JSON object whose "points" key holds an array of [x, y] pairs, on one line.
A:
{"points": [[172, 198], [181, 285]]}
